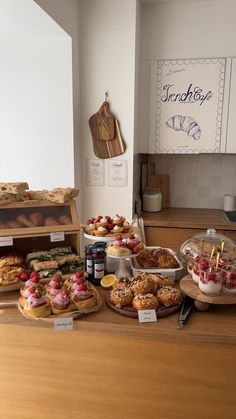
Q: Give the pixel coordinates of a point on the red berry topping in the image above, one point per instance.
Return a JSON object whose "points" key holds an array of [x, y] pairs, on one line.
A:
{"points": [[24, 276], [119, 238], [79, 274], [82, 287], [34, 274]]}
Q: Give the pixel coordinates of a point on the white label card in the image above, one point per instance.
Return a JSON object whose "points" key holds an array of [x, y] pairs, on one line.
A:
{"points": [[66, 323], [57, 237], [6, 241], [146, 316]]}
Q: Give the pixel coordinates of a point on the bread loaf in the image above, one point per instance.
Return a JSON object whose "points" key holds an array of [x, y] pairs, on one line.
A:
{"points": [[13, 187]]}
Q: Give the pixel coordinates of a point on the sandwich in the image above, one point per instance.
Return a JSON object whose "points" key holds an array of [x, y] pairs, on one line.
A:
{"points": [[46, 268], [39, 256], [69, 263], [60, 251]]}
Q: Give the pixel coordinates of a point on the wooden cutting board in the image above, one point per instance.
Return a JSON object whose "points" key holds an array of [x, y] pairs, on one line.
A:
{"points": [[106, 134]]}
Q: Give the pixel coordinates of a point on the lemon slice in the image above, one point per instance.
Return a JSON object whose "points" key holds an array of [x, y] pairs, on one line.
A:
{"points": [[108, 280]]}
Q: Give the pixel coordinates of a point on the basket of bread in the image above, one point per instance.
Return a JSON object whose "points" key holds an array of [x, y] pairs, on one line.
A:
{"points": [[157, 260]]}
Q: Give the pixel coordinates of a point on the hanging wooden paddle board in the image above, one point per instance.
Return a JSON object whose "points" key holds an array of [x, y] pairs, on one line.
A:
{"points": [[106, 135]]}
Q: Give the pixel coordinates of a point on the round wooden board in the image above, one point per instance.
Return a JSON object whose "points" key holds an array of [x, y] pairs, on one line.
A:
{"points": [[188, 287], [131, 312]]}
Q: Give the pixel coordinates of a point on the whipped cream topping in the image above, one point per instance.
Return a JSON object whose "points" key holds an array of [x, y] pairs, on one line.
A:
{"points": [[29, 282], [61, 298], [54, 291], [102, 229], [117, 228], [81, 295], [36, 301], [54, 282], [104, 220]]}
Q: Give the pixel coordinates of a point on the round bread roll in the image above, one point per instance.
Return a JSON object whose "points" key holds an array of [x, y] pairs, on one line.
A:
{"points": [[51, 221], [142, 285], [145, 301], [123, 283], [121, 297], [64, 219], [169, 296], [163, 281], [21, 218], [37, 219], [14, 224]]}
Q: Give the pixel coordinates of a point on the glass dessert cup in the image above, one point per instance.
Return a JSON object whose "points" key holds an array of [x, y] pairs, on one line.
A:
{"points": [[229, 280], [210, 282]]}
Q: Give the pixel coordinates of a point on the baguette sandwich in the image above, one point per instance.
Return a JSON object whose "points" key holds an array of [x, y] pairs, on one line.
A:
{"points": [[69, 263], [38, 256]]}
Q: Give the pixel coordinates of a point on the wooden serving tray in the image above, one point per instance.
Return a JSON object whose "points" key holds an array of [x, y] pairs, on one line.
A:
{"points": [[131, 312], [188, 287]]}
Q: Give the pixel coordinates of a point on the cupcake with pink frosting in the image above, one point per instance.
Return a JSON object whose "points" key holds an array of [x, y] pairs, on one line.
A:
{"points": [[37, 305], [61, 302]]}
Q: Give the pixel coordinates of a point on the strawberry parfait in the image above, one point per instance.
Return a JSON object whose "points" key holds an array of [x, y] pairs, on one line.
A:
{"points": [[210, 282], [229, 281]]}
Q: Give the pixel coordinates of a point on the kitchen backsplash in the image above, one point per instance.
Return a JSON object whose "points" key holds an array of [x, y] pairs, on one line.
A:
{"points": [[196, 181]]}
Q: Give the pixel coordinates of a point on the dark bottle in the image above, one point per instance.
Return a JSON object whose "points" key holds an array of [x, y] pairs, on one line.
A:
{"points": [[89, 260], [99, 264]]}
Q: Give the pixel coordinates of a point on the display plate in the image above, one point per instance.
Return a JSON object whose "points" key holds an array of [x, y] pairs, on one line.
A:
{"points": [[129, 311], [105, 239], [188, 287], [75, 314]]}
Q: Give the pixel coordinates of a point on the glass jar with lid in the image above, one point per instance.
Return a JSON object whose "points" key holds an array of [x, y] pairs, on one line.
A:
{"points": [[152, 200]]}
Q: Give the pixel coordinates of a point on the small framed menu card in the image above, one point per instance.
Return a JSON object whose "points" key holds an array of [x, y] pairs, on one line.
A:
{"points": [[117, 172]]}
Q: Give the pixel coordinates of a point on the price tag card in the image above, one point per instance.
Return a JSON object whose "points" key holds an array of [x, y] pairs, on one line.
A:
{"points": [[6, 241], [66, 323], [57, 237], [146, 316]]}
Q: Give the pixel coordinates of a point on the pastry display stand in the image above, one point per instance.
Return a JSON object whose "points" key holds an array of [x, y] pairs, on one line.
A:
{"points": [[122, 271], [202, 301]]}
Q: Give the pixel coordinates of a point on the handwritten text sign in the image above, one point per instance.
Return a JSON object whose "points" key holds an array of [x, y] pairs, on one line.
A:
{"points": [[66, 323], [57, 237], [146, 316], [6, 241], [189, 107]]}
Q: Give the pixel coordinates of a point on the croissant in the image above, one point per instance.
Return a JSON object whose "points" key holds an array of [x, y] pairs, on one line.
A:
{"points": [[186, 124]]}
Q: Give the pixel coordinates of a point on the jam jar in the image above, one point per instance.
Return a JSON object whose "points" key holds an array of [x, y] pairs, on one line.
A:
{"points": [[89, 260], [99, 264]]}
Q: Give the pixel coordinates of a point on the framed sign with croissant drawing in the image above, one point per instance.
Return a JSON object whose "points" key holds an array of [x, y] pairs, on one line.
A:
{"points": [[190, 96]]}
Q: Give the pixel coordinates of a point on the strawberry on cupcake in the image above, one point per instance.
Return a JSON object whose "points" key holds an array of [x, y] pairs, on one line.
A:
{"points": [[61, 302], [37, 305]]}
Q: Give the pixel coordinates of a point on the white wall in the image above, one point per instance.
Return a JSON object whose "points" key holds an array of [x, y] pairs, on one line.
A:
{"points": [[186, 29], [36, 113], [107, 63]]}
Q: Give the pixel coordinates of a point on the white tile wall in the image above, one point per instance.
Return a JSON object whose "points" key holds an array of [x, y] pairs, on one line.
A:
{"points": [[198, 181]]}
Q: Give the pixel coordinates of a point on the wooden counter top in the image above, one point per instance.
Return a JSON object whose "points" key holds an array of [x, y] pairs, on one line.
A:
{"points": [[188, 218], [111, 366], [216, 325]]}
